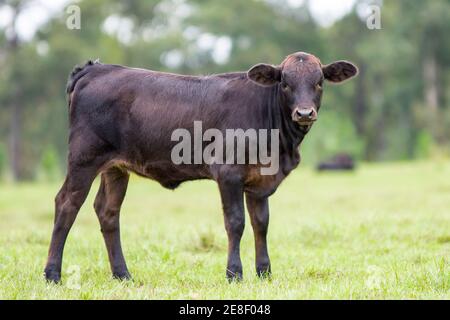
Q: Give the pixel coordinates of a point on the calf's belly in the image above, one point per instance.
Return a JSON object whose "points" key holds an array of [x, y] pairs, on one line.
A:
{"points": [[166, 173]]}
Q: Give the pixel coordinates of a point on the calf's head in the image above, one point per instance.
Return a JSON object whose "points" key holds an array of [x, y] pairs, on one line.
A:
{"points": [[300, 78]]}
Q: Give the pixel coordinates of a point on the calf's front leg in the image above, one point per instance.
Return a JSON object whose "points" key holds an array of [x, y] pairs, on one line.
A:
{"points": [[232, 195], [258, 209]]}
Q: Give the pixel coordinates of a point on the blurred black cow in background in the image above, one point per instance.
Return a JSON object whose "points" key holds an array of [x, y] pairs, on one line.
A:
{"points": [[341, 161]]}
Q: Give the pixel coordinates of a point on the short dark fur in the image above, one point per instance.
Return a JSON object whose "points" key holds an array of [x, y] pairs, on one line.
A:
{"points": [[121, 119]]}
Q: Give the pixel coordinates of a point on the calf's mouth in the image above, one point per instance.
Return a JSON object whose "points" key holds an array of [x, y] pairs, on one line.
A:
{"points": [[304, 117]]}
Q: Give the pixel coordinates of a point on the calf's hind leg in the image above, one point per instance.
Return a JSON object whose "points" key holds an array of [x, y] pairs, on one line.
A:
{"points": [[67, 204], [107, 206]]}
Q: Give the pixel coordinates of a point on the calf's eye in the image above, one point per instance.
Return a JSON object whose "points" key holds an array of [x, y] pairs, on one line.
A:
{"points": [[285, 86]]}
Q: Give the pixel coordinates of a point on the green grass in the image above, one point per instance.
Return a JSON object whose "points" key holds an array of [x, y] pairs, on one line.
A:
{"points": [[380, 232]]}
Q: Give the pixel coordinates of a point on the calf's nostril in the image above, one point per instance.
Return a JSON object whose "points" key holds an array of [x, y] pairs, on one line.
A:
{"points": [[305, 113]]}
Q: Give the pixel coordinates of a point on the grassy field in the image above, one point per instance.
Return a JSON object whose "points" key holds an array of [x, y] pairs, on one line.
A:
{"points": [[380, 232]]}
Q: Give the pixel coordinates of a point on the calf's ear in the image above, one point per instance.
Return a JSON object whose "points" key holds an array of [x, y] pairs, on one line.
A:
{"points": [[339, 71], [264, 74]]}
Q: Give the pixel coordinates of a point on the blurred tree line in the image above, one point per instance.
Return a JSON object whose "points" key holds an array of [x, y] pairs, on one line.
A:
{"points": [[398, 107]]}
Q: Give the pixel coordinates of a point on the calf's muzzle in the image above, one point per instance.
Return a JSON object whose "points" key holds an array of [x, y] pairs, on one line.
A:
{"points": [[304, 115]]}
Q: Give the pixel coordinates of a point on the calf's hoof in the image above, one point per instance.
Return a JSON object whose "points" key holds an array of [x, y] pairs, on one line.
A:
{"points": [[122, 276], [264, 272], [234, 276], [52, 276]]}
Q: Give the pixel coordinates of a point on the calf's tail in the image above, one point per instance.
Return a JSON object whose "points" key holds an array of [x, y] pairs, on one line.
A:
{"points": [[77, 73]]}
